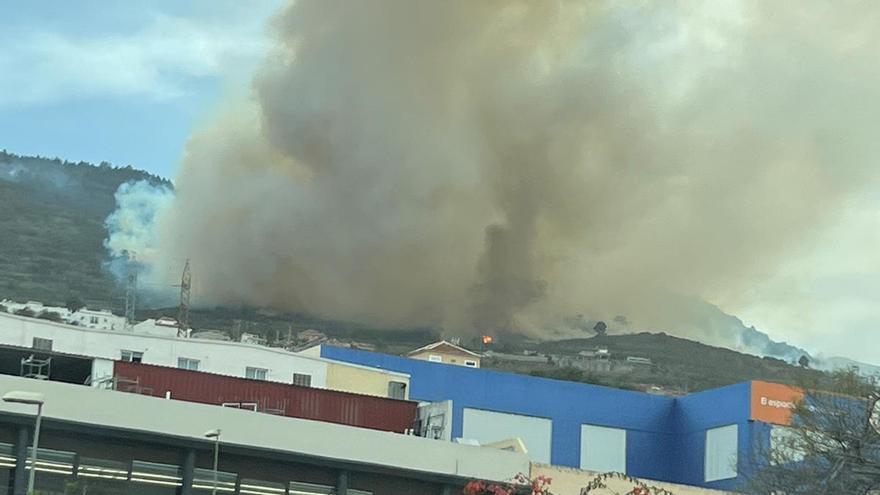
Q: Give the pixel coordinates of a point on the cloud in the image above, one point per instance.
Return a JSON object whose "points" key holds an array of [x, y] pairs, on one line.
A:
{"points": [[160, 60]]}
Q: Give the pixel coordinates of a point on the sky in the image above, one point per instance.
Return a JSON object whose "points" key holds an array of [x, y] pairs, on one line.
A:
{"points": [[123, 82]]}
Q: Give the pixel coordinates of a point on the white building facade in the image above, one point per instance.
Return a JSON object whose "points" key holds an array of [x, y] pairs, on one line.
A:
{"points": [[221, 357]]}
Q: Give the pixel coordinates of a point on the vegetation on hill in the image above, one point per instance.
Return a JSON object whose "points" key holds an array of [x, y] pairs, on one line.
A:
{"points": [[677, 364], [51, 249]]}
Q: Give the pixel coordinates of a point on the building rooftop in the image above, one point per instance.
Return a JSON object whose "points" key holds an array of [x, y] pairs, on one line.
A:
{"points": [[83, 407], [444, 346]]}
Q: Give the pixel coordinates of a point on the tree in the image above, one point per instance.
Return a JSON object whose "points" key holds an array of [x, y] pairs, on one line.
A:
{"points": [[831, 446], [804, 361], [24, 312], [49, 315], [601, 329], [74, 304]]}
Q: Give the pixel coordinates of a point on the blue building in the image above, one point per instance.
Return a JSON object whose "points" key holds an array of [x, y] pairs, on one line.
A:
{"points": [[704, 439]]}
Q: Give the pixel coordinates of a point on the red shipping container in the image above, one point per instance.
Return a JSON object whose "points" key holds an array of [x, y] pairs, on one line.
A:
{"points": [[332, 406]]}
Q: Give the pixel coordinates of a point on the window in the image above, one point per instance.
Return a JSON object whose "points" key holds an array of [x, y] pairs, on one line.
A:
{"points": [[250, 406], [352, 491], [302, 379], [260, 487], [298, 488], [132, 356], [203, 481], [42, 344], [492, 426], [102, 469], [162, 478], [93, 320], [7, 455], [470, 363], [721, 453], [435, 358], [7, 466], [603, 449], [188, 364], [51, 461], [397, 390], [53, 469], [255, 373]]}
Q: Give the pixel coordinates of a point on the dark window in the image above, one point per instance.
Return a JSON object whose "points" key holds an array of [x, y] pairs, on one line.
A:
{"points": [[302, 379], [255, 373], [250, 406], [42, 344], [132, 356], [188, 364], [396, 390]]}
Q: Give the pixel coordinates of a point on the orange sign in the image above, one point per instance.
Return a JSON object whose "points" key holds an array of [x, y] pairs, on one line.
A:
{"points": [[774, 403]]}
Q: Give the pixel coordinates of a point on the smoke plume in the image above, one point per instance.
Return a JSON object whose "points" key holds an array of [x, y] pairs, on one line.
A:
{"points": [[505, 165], [131, 241]]}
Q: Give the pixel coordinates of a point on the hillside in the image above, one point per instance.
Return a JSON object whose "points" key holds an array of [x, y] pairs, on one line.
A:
{"points": [[677, 363], [52, 250], [53, 228]]}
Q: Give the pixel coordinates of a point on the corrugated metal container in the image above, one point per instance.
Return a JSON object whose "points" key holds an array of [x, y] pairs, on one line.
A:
{"points": [[271, 397]]}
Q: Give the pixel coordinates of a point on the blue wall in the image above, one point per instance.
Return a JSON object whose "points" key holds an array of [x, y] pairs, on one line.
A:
{"points": [[665, 436], [698, 412]]}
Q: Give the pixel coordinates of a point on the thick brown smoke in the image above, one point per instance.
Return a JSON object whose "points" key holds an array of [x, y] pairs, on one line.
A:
{"points": [[487, 165]]}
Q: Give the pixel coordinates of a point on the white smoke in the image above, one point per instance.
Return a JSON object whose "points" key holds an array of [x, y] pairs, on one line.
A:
{"points": [[132, 242]]}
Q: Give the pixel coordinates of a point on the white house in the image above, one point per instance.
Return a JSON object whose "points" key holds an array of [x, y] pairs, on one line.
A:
{"points": [[99, 319], [84, 317]]}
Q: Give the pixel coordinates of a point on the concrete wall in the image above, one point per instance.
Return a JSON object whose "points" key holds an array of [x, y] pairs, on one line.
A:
{"points": [[362, 380], [568, 481], [647, 418], [263, 432]]}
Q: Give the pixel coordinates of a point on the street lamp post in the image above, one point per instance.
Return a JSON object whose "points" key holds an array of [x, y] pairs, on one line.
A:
{"points": [[33, 399], [215, 434]]}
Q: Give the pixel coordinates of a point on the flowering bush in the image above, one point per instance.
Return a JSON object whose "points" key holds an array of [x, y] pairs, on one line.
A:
{"points": [[522, 485], [639, 486]]}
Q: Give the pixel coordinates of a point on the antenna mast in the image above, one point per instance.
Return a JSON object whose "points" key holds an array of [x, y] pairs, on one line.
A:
{"points": [[183, 308]]}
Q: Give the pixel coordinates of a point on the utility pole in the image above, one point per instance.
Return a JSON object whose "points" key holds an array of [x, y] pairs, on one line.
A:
{"points": [[131, 293], [183, 307]]}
